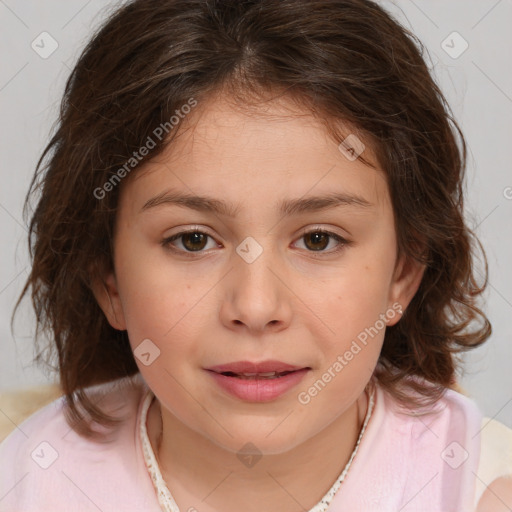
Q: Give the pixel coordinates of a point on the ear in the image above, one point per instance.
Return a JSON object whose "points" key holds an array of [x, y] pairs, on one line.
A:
{"points": [[406, 281], [106, 292]]}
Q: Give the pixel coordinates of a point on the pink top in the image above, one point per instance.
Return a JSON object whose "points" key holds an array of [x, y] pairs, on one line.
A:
{"points": [[407, 463]]}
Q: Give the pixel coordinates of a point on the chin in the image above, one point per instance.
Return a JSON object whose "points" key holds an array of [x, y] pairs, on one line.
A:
{"points": [[262, 440]]}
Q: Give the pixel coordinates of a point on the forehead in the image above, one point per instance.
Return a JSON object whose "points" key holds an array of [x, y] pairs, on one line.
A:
{"points": [[220, 126], [276, 148]]}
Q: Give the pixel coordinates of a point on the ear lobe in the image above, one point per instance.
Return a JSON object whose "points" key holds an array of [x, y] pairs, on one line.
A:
{"points": [[406, 281], [107, 295]]}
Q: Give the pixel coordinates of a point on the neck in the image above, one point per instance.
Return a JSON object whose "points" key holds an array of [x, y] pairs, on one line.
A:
{"points": [[202, 475]]}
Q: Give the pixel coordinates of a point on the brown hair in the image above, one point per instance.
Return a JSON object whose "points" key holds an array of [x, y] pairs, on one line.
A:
{"points": [[346, 61]]}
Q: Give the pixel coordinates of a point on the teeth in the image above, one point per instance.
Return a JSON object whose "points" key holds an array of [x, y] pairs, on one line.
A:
{"points": [[264, 375], [268, 374], [255, 376]]}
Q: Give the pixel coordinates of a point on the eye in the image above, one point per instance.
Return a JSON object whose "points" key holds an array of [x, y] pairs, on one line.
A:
{"points": [[192, 240], [318, 239], [195, 241]]}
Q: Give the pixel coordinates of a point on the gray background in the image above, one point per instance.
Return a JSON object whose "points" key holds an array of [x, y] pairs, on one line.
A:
{"points": [[477, 84]]}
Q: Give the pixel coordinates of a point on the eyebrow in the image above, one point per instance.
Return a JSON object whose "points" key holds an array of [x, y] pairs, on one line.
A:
{"points": [[286, 207]]}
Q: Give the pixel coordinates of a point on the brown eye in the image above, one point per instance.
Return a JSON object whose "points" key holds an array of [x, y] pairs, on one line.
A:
{"points": [[191, 241], [194, 241], [316, 240]]}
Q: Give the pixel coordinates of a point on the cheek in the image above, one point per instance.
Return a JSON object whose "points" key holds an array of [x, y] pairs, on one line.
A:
{"points": [[156, 296], [354, 308]]}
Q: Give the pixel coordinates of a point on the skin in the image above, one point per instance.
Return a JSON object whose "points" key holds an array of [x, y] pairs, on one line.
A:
{"points": [[497, 497], [293, 303]]}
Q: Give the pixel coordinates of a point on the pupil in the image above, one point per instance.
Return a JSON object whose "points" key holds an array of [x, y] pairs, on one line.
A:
{"points": [[316, 236]]}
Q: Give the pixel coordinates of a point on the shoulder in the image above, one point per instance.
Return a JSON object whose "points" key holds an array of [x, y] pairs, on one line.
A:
{"points": [[50, 464], [454, 439], [119, 398], [422, 457], [494, 475], [438, 444], [440, 436], [453, 415]]}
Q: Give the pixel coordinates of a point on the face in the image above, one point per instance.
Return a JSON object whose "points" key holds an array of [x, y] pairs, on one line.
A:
{"points": [[310, 287]]}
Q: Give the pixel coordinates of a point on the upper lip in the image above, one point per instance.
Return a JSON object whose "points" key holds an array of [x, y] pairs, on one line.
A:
{"points": [[253, 367]]}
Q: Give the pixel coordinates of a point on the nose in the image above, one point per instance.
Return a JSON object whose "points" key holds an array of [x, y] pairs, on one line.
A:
{"points": [[257, 297]]}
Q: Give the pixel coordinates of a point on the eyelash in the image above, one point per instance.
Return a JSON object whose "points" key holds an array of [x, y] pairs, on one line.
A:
{"points": [[166, 242]]}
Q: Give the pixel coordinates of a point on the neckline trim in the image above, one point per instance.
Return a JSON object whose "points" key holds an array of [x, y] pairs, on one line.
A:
{"points": [[165, 498]]}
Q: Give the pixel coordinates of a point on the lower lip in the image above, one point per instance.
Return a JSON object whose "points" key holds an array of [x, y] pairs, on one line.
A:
{"points": [[259, 390]]}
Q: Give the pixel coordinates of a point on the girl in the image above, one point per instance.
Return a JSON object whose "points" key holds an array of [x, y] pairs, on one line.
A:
{"points": [[250, 252]]}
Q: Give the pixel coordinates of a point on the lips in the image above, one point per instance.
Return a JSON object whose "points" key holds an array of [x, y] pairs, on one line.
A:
{"points": [[257, 382], [270, 369]]}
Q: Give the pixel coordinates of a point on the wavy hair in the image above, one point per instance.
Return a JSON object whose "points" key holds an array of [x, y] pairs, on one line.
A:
{"points": [[346, 61]]}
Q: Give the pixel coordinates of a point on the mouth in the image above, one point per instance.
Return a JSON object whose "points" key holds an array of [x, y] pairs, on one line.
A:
{"points": [[257, 382], [270, 369]]}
